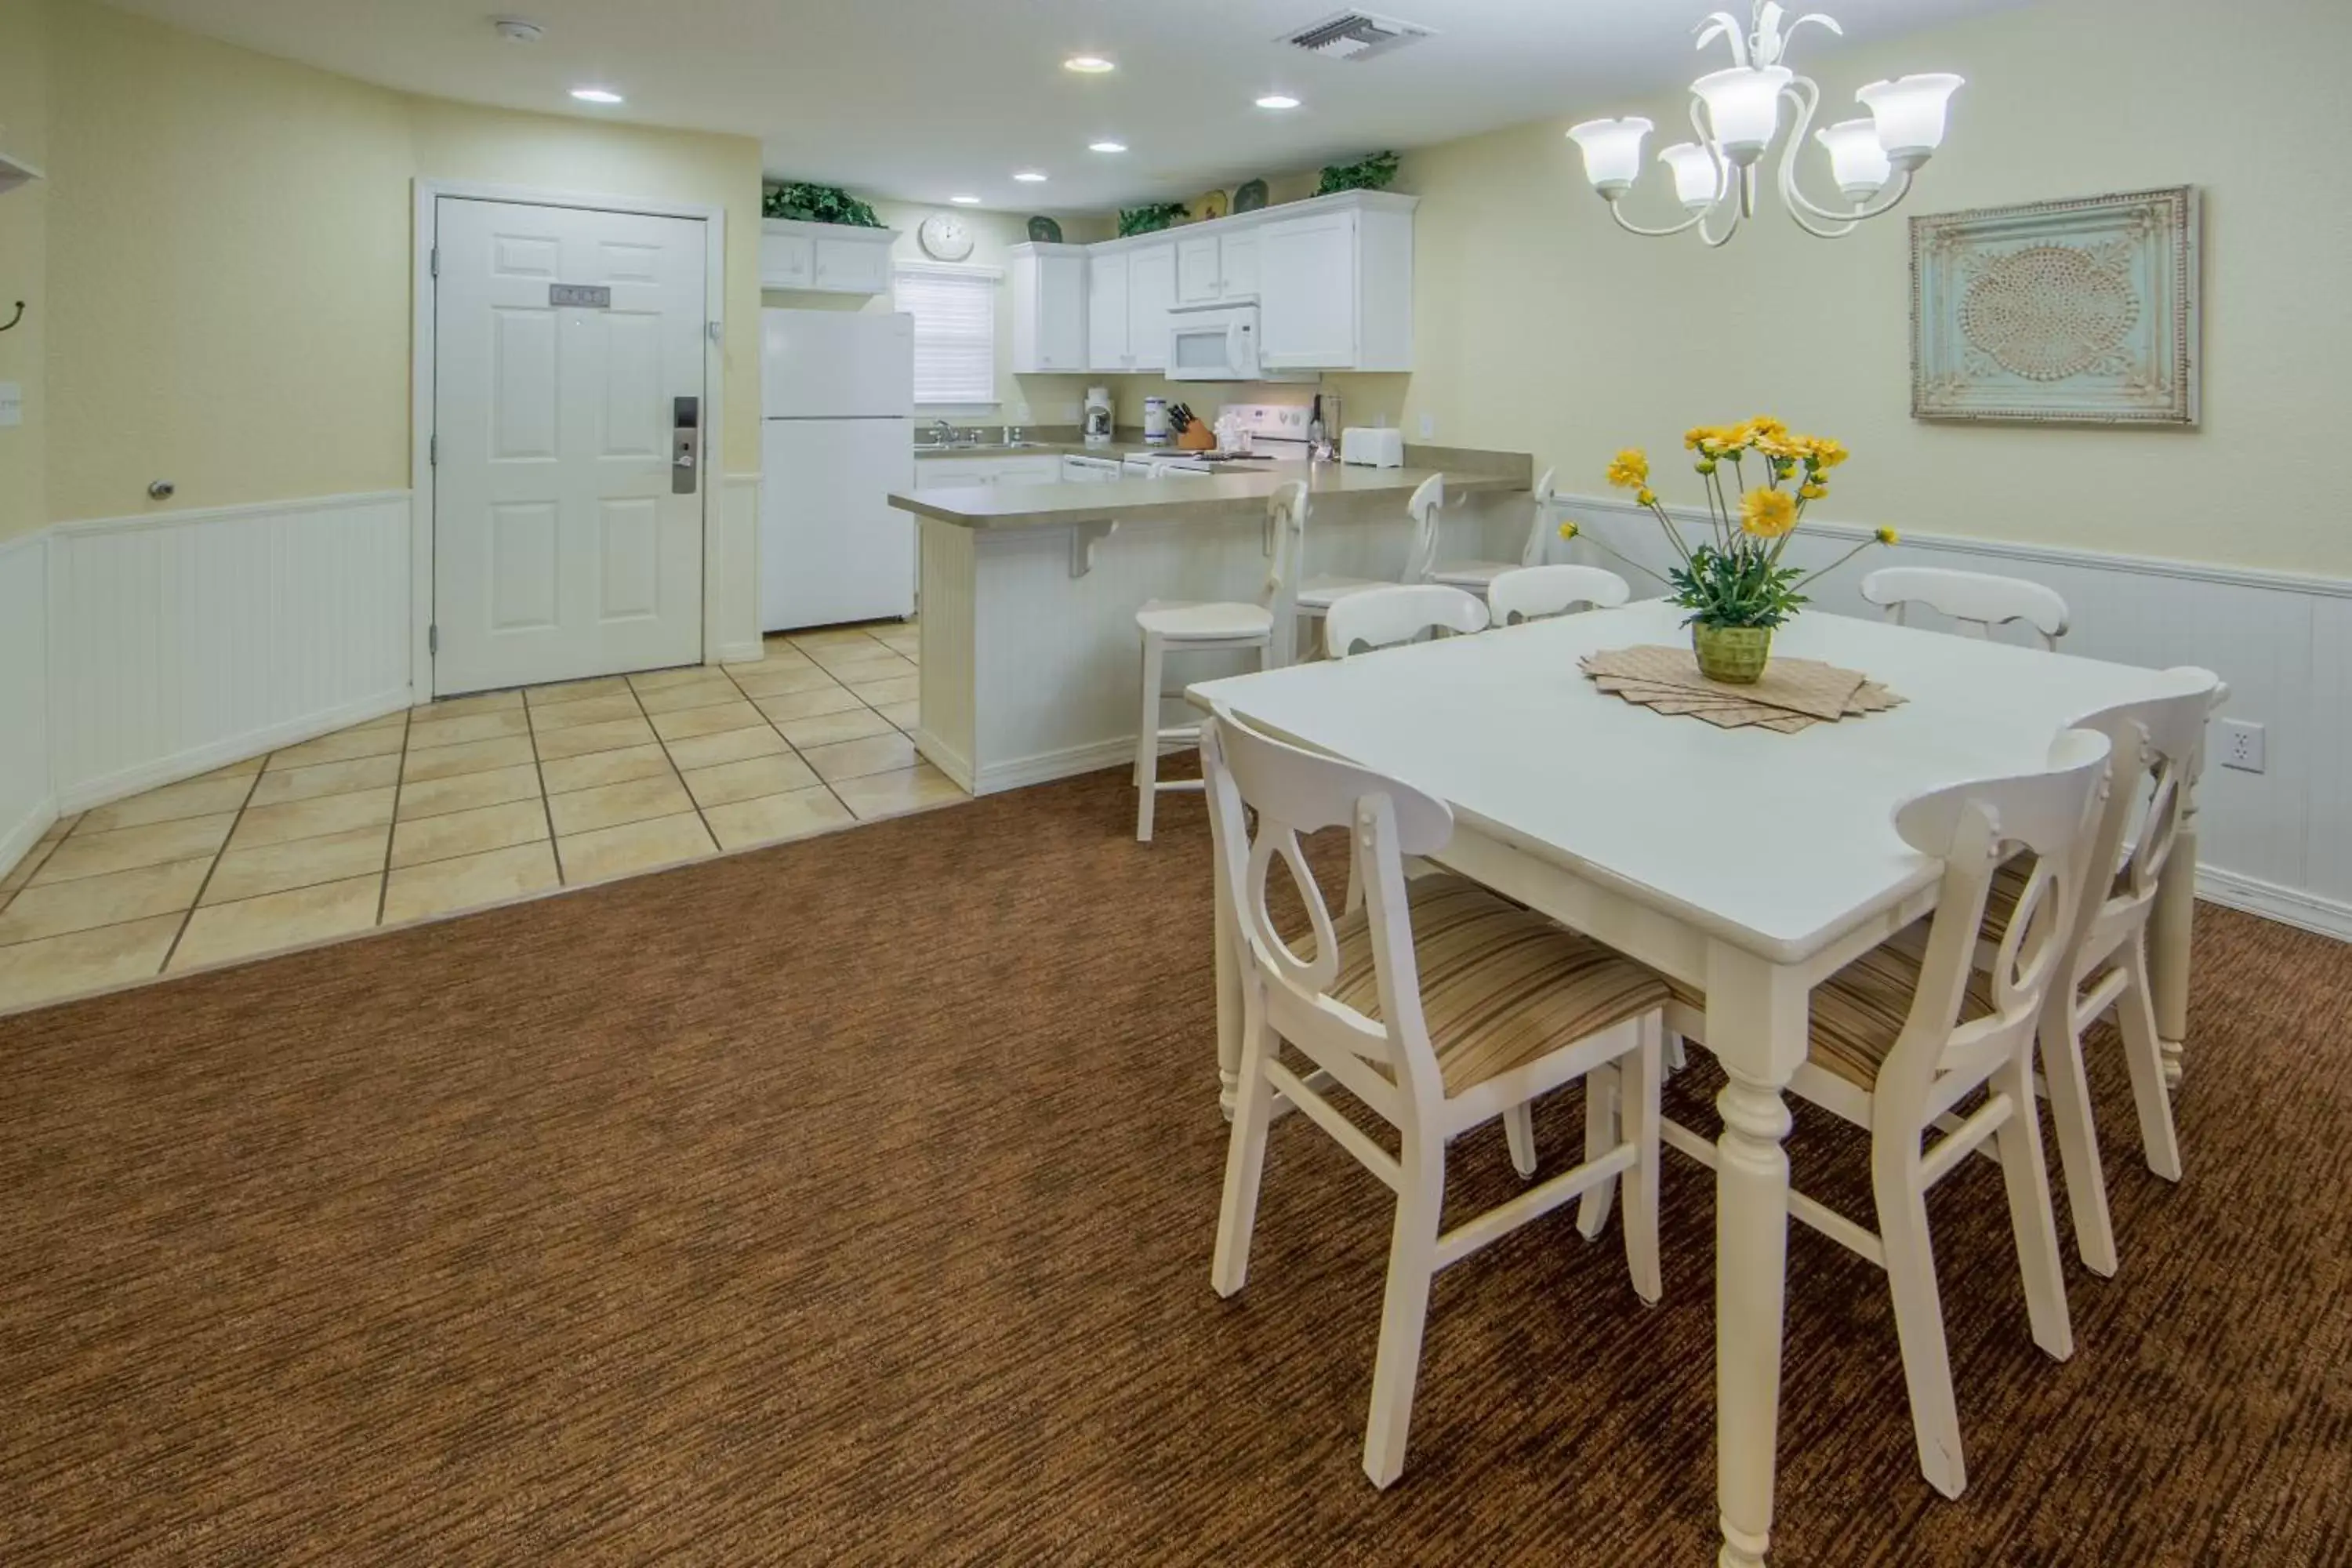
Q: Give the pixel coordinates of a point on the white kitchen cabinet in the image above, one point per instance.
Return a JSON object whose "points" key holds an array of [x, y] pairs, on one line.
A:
{"points": [[1049, 308], [1213, 270], [1150, 295], [825, 257], [1106, 323], [950, 473], [1237, 266], [1335, 291]]}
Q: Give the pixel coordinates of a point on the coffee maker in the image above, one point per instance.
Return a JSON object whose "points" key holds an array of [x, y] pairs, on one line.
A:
{"points": [[1097, 421]]}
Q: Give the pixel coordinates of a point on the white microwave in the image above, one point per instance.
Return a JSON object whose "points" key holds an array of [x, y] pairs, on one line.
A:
{"points": [[1217, 343]]}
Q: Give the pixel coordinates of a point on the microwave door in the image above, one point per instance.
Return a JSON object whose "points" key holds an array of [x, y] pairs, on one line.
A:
{"points": [[1197, 353]]}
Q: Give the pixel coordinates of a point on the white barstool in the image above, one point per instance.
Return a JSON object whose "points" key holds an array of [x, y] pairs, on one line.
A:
{"points": [[1477, 576], [1532, 593], [1979, 601], [1317, 595], [1269, 626]]}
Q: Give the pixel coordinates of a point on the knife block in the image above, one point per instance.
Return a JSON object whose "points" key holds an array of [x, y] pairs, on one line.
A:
{"points": [[1197, 437]]}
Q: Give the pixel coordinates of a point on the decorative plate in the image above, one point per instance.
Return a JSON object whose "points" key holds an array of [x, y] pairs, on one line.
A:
{"points": [[1209, 206], [1045, 231], [1250, 197]]}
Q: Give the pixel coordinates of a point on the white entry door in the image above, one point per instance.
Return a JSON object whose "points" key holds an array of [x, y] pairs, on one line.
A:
{"points": [[568, 356]]}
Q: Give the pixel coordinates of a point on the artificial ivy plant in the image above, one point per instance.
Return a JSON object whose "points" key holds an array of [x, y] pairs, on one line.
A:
{"points": [[1152, 218], [817, 203], [1372, 174]]}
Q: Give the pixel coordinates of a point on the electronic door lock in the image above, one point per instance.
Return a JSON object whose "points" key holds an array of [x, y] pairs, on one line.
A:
{"points": [[685, 444]]}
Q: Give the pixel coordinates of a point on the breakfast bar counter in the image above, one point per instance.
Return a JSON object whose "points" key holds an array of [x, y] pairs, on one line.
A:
{"points": [[1028, 592]]}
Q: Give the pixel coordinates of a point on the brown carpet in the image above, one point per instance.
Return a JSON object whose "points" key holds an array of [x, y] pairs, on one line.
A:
{"points": [[852, 1202]]}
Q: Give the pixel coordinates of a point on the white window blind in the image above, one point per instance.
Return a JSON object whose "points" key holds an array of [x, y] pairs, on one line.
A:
{"points": [[955, 331]]}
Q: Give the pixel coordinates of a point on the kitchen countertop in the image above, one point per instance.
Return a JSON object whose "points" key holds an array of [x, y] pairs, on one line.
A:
{"points": [[1115, 450], [1336, 488]]}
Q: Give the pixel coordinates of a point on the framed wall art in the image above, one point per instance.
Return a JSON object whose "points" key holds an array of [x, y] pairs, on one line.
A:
{"points": [[2059, 312]]}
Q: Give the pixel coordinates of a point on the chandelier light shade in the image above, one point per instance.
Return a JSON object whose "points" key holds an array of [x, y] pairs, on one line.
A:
{"points": [[1909, 113], [1857, 163], [1737, 116], [1613, 151]]}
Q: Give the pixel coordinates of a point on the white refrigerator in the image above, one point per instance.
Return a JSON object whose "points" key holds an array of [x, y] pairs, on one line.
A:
{"points": [[838, 392]]}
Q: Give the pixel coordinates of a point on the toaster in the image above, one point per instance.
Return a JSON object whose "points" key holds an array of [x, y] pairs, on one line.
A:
{"points": [[1381, 448]]}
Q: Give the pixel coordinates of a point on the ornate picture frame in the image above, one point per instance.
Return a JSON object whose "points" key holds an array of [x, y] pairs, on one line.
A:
{"points": [[2082, 313]]}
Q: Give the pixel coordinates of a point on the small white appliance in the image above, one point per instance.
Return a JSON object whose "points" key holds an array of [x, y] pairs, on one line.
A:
{"points": [[1213, 342], [1372, 449], [837, 437], [1098, 418]]}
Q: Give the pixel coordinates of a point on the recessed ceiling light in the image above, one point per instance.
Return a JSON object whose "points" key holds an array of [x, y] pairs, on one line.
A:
{"points": [[1089, 65], [1106, 146], [1030, 177], [597, 95], [965, 200], [1277, 101]]}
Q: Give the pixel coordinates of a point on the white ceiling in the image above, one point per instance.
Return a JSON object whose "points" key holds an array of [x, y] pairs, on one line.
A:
{"points": [[919, 100]]}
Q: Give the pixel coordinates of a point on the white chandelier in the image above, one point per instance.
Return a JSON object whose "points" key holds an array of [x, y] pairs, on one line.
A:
{"points": [[1736, 114]]}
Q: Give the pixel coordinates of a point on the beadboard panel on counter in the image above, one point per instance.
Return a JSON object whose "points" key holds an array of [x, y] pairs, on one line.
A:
{"points": [[2278, 843], [186, 640], [27, 800]]}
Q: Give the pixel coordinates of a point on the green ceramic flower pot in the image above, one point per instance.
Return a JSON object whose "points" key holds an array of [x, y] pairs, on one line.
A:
{"points": [[1734, 655]]}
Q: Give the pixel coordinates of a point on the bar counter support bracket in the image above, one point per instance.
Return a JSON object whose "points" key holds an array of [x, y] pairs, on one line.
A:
{"points": [[1083, 539]]}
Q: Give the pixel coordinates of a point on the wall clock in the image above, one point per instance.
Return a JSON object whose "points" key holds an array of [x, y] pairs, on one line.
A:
{"points": [[946, 236]]}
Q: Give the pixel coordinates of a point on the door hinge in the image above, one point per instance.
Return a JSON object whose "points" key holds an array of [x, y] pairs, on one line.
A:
{"points": [[433, 450], [433, 639], [437, 261]]}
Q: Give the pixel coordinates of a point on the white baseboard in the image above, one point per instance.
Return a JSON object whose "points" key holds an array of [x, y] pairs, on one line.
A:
{"points": [[2290, 906], [25, 832], [945, 758], [1047, 766], [219, 753], [742, 652]]}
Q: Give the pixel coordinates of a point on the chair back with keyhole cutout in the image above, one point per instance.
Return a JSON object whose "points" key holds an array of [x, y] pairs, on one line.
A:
{"points": [[1292, 793], [1539, 532], [2045, 821], [2159, 746], [1533, 593], [1383, 618], [1421, 555], [1979, 601]]}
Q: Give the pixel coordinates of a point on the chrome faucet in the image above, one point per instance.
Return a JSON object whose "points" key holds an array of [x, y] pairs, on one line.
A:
{"points": [[942, 433]]}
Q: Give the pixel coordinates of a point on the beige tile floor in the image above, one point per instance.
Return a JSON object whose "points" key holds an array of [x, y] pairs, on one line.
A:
{"points": [[466, 802]]}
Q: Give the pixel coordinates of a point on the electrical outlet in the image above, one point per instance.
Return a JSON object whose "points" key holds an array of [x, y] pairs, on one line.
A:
{"points": [[1429, 426], [2241, 745]]}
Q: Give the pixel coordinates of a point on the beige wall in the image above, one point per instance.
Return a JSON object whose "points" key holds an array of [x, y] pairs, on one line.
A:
{"points": [[230, 238], [24, 261], [1542, 327]]}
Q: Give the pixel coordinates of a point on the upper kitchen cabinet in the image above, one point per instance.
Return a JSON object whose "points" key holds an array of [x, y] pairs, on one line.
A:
{"points": [[1049, 308], [1335, 286], [1129, 292], [825, 257], [1217, 268]]}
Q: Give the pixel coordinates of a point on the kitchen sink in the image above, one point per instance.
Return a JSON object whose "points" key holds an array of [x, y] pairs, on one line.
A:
{"points": [[984, 446]]}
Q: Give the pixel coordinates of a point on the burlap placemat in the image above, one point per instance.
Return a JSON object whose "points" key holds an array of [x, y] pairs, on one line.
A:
{"points": [[1794, 694]]}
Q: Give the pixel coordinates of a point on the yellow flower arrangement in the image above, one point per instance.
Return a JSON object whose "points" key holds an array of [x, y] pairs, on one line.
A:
{"points": [[1737, 578]]}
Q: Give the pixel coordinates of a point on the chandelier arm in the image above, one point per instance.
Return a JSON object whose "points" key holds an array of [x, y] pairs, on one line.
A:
{"points": [[1631, 227], [1799, 205], [1714, 241]]}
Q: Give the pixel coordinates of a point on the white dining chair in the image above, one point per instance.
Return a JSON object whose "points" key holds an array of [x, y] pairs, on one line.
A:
{"points": [[1269, 626], [1915, 1027], [1437, 1005], [1979, 601], [1317, 595], [1382, 617], [2157, 748], [1475, 575], [1532, 593]]}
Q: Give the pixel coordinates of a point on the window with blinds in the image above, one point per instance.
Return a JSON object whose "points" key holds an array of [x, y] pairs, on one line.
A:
{"points": [[955, 331]]}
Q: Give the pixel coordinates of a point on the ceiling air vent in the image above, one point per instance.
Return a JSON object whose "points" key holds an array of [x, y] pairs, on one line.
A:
{"points": [[1356, 35]]}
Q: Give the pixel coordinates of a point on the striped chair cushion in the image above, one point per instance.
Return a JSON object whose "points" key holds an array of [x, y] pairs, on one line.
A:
{"points": [[1500, 986], [1858, 1012], [2008, 886]]}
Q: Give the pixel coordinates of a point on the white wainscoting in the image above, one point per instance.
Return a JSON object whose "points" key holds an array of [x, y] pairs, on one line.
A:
{"points": [[186, 640], [732, 579], [2278, 843], [29, 802]]}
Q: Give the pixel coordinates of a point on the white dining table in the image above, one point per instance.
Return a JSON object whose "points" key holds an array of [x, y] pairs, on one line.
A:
{"points": [[1749, 864]]}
